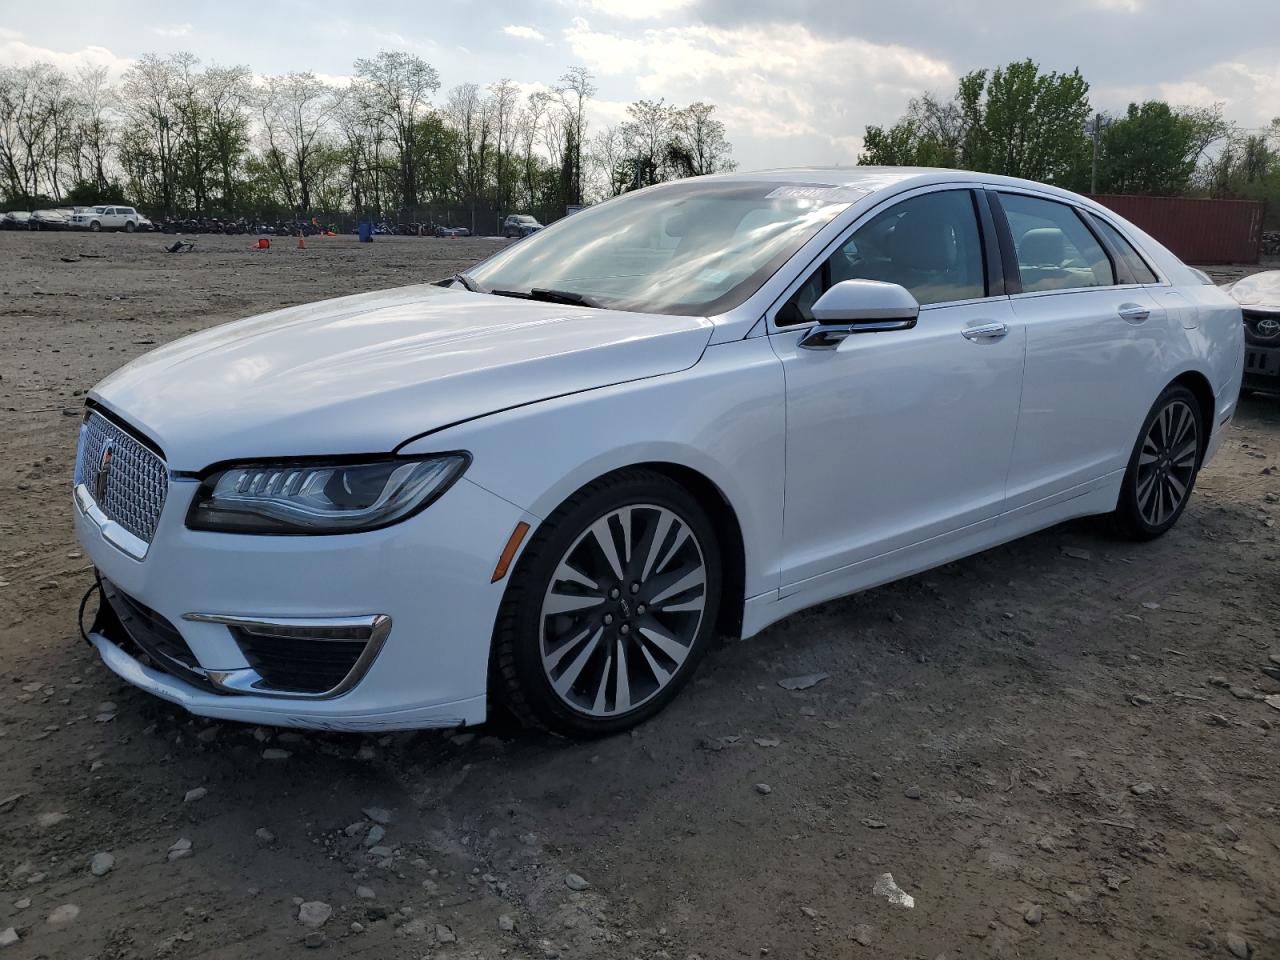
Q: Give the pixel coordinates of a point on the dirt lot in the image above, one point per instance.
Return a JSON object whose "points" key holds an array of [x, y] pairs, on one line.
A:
{"points": [[1057, 748]]}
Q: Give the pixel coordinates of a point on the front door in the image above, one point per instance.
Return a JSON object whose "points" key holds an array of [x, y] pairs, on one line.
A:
{"points": [[898, 437]]}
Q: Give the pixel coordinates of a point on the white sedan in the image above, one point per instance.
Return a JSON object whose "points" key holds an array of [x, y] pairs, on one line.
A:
{"points": [[693, 410]]}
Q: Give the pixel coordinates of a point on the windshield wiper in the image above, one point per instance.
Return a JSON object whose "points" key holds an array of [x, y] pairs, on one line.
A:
{"points": [[550, 296]]}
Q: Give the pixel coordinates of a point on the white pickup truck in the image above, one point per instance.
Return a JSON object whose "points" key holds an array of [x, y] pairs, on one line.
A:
{"points": [[109, 218]]}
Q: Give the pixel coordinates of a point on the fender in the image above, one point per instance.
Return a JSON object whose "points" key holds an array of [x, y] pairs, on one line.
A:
{"points": [[537, 455]]}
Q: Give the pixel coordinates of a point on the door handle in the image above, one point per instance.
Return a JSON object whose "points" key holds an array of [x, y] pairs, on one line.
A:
{"points": [[985, 331], [1133, 312]]}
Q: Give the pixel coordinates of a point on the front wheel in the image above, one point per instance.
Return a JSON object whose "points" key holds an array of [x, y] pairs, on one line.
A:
{"points": [[129, 227], [1163, 466], [95, 227], [610, 608]]}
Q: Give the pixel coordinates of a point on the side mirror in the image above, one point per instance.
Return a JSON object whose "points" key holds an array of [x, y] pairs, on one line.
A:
{"points": [[860, 306]]}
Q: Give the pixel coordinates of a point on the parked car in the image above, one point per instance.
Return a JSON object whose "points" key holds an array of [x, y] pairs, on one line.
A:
{"points": [[48, 220], [443, 231], [110, 218], [519, 225], [691, 410], [1259, 298], [16, 220]]}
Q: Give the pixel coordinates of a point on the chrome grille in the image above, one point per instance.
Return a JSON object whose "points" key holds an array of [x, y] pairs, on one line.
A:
{"points": [[136, 482]]}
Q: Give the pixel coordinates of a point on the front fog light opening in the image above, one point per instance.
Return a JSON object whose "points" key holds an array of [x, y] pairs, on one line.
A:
{"points": [[307, 659]]}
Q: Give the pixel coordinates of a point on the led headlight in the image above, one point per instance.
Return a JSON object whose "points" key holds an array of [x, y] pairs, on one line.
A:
{"points": [[317, 497]]}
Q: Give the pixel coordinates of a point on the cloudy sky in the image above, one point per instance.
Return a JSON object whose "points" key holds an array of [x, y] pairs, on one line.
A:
{"points": [[796, 82]]}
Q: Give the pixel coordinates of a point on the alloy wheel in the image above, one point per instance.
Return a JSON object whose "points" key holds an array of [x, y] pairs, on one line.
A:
{"points": [[623, 610], [1167, 462]]}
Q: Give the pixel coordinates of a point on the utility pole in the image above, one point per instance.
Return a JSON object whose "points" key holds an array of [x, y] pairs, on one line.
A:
{"points": [[1097, 148]]}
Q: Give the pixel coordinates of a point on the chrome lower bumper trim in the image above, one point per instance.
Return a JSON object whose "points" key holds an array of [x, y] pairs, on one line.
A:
{"points": [[247, 680], [112, 532]]}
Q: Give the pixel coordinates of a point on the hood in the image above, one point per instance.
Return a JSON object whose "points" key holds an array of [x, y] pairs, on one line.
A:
{"points": [[1259, 290], [363, 374]]}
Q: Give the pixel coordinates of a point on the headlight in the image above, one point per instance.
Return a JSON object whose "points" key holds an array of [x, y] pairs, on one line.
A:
{"points": [[316, 497]]}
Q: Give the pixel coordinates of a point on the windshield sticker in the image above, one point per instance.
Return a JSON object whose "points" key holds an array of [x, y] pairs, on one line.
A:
{"points": [[824, 193], [713, 276]]}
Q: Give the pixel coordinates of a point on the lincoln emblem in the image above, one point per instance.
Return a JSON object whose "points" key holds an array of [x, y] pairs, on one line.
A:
{"points": [[104, 470]]}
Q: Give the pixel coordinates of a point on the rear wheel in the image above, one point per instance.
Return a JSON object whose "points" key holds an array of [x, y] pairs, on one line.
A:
{"points": [[610, 608], [1163, 466]]}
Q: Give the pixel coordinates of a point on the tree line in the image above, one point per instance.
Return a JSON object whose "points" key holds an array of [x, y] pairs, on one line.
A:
{"points": [[176, 136], [1020, 121]]}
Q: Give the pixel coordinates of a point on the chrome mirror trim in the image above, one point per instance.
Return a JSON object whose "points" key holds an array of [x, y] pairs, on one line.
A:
{"points": [[826, 336]]}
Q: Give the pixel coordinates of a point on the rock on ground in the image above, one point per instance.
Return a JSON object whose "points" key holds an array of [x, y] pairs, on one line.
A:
{"points": [[314, 913]]}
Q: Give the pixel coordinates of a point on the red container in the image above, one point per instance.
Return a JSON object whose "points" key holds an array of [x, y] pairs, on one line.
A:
{"points": [[1198, 230]]}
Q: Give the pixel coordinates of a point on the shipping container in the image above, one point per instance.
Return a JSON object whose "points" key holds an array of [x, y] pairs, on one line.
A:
{"points": [[1197, 229]]}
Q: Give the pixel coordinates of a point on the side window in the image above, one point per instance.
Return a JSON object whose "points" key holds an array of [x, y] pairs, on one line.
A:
{"points": [[929, 244], [1132, 259], [1055, 249]]}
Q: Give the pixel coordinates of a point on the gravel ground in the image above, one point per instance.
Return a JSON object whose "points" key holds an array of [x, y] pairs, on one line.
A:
{"points": [[1058, 748]]}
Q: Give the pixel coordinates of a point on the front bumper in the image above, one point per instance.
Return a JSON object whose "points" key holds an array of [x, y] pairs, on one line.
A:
{"points": [[430, 575], [1261, 366]]}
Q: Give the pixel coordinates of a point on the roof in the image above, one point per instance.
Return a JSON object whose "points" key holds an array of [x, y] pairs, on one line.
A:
{"points": [[877, 179]]}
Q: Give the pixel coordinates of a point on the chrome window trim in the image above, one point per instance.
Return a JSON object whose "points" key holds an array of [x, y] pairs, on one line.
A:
{"points": [[771, 312]]}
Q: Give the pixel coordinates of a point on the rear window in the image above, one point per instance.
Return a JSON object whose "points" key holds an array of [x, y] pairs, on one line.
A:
{"points": [[1055, 249], [1138, 268]]}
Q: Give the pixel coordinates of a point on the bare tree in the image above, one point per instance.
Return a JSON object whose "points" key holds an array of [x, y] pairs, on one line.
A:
{"points": [[37, 116], [226, 96], [529, 126], [698, 144], [470, 117], [399, 86], [576, 88], [360, 124], [502, 108], [647, 132], [148, 95], [295, 110], [95, 133], [609, 153]]}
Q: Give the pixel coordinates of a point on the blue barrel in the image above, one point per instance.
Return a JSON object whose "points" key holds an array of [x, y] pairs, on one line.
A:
{"points": [[366, 232]]}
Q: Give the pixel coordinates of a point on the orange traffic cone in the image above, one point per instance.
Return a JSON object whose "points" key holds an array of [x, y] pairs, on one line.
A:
{"points": [[302, 243]]}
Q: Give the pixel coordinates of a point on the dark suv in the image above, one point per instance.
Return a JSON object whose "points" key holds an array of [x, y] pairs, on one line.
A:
{"points": [[520, 225]]}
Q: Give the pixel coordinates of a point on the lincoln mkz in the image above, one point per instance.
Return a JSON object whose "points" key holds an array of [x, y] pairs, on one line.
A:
{"points": [[552, 480]]}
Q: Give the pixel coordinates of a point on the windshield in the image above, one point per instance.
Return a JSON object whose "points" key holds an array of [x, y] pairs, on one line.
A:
{"points": [[695, 247]]}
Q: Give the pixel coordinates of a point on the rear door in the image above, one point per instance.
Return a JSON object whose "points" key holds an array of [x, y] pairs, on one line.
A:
{"points": [[1094, 338]]}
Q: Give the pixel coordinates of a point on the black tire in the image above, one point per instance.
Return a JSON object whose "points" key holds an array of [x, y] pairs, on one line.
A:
{"points": [[518, 673], [95, 227], [1246, 392], [129, 226], [1136, 517]]}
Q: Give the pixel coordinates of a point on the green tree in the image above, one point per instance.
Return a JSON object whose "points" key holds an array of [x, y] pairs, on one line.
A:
{"points": [[1155, 148], [1015, 120]]}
